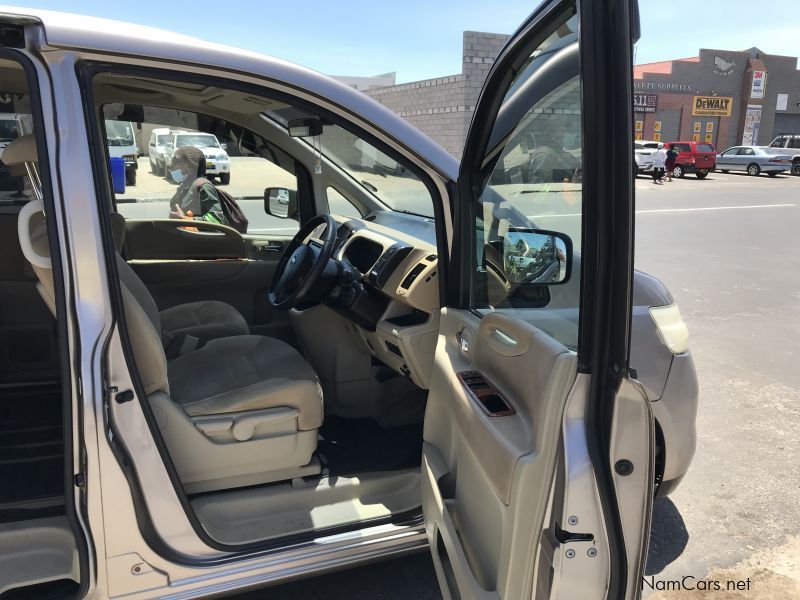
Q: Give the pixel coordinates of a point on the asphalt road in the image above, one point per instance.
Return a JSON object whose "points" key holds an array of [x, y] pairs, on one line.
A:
{"points": [[728, 249]]}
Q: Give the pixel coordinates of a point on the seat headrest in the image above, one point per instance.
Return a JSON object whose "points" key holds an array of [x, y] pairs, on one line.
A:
{"points": [[32, 235], [118, 230], [20, 151]]}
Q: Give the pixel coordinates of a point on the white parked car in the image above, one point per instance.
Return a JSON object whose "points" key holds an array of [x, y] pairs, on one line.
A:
{"points": [[218, 162], [156, 148], [643, 150]]}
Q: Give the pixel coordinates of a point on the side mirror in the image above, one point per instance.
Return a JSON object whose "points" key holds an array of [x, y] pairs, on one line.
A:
{"points": [[307, 127], [536, 256], [224, 145], [280, 202]]}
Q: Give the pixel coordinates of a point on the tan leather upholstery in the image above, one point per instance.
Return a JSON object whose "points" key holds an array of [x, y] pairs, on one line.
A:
{"points": [[246, 372]]}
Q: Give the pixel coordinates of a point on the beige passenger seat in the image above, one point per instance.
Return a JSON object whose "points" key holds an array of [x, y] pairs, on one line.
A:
{"points": [[240, 411], [199, 321]]}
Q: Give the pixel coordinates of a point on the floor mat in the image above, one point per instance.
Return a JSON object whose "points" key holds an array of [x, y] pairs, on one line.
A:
{"points": [[350, 446]]}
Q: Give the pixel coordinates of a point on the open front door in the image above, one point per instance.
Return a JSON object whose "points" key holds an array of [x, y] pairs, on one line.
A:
{"points": [[538, 444]]}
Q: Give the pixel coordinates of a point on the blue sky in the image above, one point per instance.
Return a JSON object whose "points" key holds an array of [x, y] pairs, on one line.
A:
{"points": [[420, 39]]}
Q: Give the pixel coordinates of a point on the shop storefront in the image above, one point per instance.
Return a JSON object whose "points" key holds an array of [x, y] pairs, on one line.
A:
{"points": [[721, 97]]}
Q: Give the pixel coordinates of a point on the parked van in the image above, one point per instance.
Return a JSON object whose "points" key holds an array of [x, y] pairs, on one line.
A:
{"points": [[122, 143], [155, 150]]}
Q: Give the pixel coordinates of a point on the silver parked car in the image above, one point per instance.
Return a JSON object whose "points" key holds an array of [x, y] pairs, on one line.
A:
{"points": [[753, 160], [193, 410]]}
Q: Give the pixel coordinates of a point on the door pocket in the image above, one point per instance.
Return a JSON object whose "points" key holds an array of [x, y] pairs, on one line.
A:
{"points": [[452, 565]]}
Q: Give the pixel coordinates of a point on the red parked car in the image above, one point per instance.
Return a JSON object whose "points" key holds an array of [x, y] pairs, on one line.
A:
{"points": [[693, 157]]}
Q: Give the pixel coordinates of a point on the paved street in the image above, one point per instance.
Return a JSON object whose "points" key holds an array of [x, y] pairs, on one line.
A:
{"points": [[728, 249]]}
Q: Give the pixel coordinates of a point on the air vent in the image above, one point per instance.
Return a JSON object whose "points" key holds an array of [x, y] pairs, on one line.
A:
{"points": [[412, 275], [430, 257]]}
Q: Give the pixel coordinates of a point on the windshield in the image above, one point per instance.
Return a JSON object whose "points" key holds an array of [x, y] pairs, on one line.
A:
{"points": [[120, 133], [161, 139], [198, 140], [383, 177]]}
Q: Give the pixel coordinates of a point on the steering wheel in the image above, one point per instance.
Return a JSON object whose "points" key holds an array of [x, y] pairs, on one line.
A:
{"points": [[302, 264]]}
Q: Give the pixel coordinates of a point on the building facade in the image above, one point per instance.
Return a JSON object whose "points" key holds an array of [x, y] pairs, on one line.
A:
{"points": [[722, 97], [442, 107]]}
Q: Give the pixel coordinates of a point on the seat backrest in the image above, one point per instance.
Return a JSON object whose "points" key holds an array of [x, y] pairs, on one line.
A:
{"points": [[141, 316]]}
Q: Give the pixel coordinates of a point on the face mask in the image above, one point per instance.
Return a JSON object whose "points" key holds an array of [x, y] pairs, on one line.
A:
{"points": [[177, 175]]}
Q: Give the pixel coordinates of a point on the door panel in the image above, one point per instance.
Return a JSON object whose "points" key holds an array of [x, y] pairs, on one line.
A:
{"points": [[485, 478], [519, 493], [168, 239]]}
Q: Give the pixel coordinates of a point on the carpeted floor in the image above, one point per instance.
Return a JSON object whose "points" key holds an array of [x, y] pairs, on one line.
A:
{"points": [[351, 446]]}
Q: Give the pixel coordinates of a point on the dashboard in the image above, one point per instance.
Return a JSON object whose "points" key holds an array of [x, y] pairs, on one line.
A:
{"points": [[390, 292]]}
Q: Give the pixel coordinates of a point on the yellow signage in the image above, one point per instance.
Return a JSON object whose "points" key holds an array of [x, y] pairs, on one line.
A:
{"points": [[712, 106], [638, 135], [709, 137], [696, 127], [710, 127], [657, 136], [657, 126], [639, 125], [695, 137]]}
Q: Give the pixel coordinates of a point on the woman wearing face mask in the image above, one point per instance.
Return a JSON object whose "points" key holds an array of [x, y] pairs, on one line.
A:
{"points": [[196, 197]]}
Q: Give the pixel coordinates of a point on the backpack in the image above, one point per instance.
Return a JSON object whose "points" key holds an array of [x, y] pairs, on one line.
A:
{"points": [[232, 214]]}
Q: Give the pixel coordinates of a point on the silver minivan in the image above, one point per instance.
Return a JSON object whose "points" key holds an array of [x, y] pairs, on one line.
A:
{"points": [[434, 356]]}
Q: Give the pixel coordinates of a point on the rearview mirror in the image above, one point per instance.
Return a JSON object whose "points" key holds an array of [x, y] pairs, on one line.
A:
{"points": [[280, 202], [306, 127], [535, 256]]}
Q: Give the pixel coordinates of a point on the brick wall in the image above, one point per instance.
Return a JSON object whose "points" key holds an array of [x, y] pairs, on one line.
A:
{"points": [[442, 108]]}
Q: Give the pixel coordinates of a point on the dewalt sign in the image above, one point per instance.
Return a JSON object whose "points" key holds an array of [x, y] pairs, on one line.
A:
{"points": [[712, 106]]}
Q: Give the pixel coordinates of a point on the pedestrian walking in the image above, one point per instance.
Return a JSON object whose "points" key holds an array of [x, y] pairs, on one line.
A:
{"points": [[672, 155], [659, 160]]}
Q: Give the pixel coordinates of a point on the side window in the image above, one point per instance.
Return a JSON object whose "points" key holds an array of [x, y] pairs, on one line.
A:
{"points": [[778, 143], [151, 180], [528, 219], [15, 120], [338, 204], [794, 143]]}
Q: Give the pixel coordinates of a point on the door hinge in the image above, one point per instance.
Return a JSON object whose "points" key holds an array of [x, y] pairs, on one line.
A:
{"points": [[563, 536]]}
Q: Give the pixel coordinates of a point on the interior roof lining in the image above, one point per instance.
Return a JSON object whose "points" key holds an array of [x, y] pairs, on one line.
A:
{"points": [[119, 88]]}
